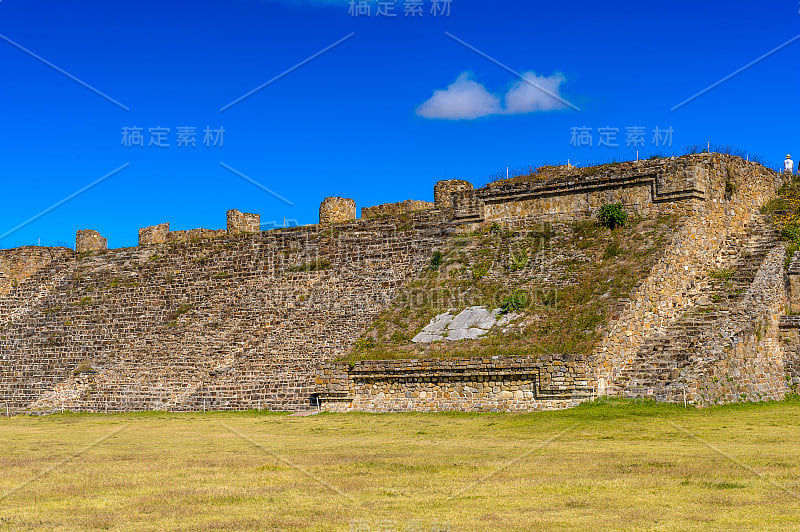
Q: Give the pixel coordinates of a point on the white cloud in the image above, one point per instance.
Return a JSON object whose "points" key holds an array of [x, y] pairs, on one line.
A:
{"points": [[464, 99], [535, 93], [467, 99]]}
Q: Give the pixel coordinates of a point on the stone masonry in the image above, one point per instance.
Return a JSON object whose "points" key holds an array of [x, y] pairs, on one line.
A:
{"points": [[243, 222], [229, 323], [155, 234], [256, 319], [505, 384], [87, 240], [443, 192], [794, 284], [396, 209], [646, 188], [714, 230], [334, 210]]}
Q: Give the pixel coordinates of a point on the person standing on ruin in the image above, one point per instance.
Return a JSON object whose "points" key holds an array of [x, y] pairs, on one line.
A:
{"points": [[788, 165]]}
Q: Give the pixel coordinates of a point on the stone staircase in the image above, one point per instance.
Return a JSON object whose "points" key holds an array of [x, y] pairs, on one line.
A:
{"points": [[656, 368]]}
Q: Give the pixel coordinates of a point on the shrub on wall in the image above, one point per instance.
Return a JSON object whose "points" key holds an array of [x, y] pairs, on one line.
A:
{"points": [[516, 301], [436, 260], [612, 216]]}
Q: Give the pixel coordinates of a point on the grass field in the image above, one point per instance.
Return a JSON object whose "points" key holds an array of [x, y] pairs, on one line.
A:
{"points": [[610, 465]]}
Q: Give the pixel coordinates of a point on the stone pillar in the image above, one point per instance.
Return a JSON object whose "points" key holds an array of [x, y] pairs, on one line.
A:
{"points": [[443, 192], [336, 210], [155, 234], [87, 240], [794, 284], [243, 222]]}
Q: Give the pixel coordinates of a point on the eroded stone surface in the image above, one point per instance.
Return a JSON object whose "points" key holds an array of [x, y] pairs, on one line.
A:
{"points": [[470, 324]]}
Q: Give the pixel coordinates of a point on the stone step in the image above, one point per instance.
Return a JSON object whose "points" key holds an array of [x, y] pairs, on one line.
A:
{"points": [[659, 357]]}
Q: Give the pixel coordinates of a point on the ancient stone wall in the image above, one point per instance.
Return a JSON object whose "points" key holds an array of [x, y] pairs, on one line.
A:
{"points": [[155, 234], [87, 240], [160, 234], [644, 188], [790, 338], [733, 190], [240, 321], [243, 222], [334, 210], [793, 273], [20, 264], [497, 384], [234, 322], [189, 235], [443, 192], [396, 209], [738, 357]]}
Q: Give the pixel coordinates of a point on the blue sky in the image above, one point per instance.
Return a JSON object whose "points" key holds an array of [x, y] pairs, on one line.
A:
{"points": [[380, 117]]}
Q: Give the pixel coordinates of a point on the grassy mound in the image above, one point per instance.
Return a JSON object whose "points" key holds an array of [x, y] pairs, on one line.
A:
{"points": [[568, 281]]}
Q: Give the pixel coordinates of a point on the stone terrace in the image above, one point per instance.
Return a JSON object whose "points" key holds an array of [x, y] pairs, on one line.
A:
{"points": [[233, 322]]}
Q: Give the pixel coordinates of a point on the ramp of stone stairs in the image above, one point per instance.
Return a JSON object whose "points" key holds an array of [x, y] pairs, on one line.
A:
{"points": [[656, 368]]}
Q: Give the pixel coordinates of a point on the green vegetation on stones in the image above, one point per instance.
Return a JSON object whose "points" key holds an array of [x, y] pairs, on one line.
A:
{"points": [[612, 216], [724, 274], [571, 285], [436, 260], [518, 300]]}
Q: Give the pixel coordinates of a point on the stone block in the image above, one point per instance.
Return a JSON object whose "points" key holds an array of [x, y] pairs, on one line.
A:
{"points": [[337, 210], [243, 222], [396, 209], [443, 192], [87, 240], [155, 234]]}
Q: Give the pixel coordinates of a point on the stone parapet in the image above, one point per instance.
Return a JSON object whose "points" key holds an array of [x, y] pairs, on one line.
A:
{"points": [[243, 222], [647, 188], [337, 210], [155, 234], [396, 209], [194, 234], [87, 240], [443, 192]]}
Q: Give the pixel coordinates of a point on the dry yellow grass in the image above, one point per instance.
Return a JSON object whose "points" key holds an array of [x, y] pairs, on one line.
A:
{"points": [[606, 466]]}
